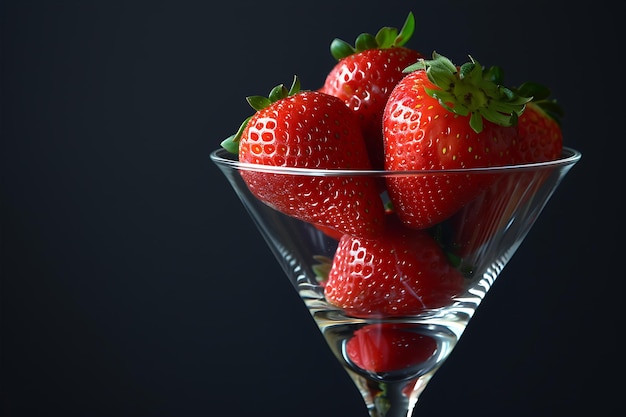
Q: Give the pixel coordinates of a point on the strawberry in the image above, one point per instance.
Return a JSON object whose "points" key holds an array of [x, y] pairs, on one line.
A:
{"points": [[539, 127], [539, 139], [441, 116], [337, 234], [365, 75], [309, 129], [478, 222], [331, 232], [401, 272], [388, 347]]}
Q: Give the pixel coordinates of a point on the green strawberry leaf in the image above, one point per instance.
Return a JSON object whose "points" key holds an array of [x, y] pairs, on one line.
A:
{"points": [[476, 122], [541, 97], [534, 90], [366, 41], [278, 92], [407, 31], [552, 108], [231, 143], [295, 86], [258, 102], [340, 49], [495, 75], [386, 37]]}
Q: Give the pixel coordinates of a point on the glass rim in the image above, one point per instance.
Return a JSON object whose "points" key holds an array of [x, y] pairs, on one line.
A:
{"points": [[224, 158]]}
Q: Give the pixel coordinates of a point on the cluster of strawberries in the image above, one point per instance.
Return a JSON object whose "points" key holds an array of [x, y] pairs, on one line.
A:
{"points": [[385, 107]]}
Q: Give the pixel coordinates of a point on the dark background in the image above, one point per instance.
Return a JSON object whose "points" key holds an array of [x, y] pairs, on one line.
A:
{"points": [[133, 282]]}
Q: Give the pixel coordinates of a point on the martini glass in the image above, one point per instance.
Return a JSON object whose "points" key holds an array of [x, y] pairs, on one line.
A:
{"points": [[478, 239]]}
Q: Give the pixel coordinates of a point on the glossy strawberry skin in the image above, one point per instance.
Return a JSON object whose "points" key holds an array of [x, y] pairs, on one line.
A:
{"points": [[420, 134], [312, 130], [329, 231], [401, 272], [539, 139], [387, 347], [364, 81], [540, 136]]}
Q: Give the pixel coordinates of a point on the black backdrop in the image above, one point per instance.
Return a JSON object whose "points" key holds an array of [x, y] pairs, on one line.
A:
{"points": [[133, 283]]}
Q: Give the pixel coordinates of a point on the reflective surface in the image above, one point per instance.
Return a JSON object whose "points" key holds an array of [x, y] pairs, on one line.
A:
{"points": [[478, 239]]}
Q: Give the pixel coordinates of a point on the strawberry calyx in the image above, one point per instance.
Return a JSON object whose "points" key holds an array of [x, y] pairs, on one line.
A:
{"points": [[386, 37], [540, 95], [231, 143], [470, 90]]}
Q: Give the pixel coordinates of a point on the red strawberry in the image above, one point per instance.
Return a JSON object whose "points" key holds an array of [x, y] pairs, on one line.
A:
{"points": [[365, 75], [441, 116], [539, 128], [337, 234], [479, 221], [309, 129], [401, 272], [540, 139], [389, 347], [331, 232]]}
